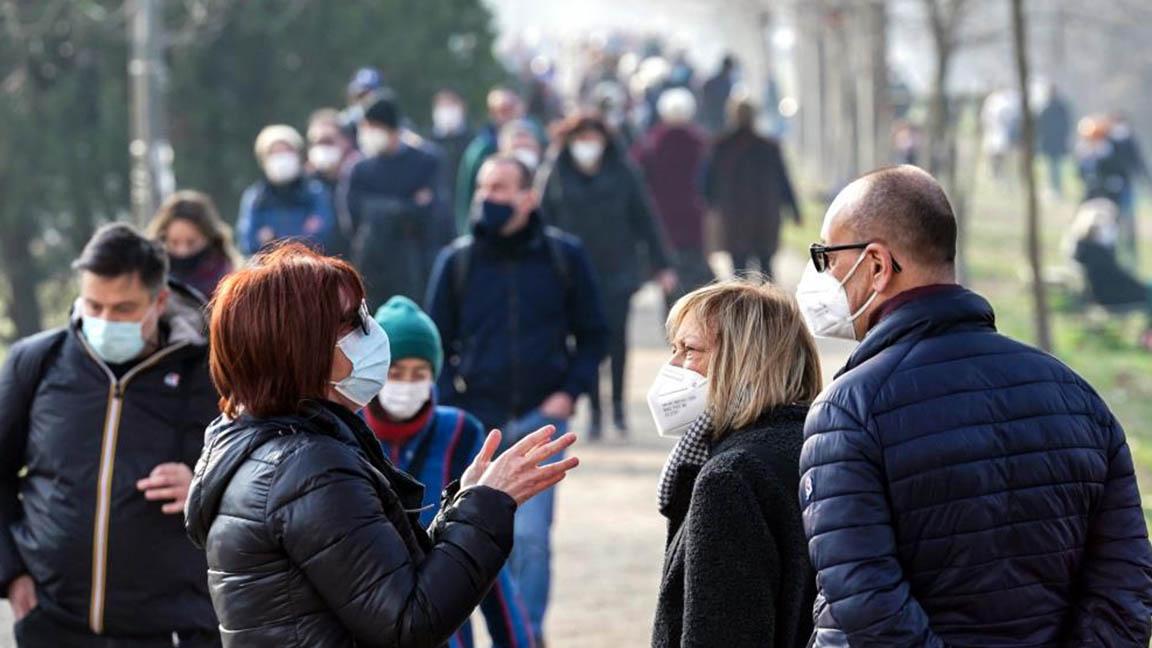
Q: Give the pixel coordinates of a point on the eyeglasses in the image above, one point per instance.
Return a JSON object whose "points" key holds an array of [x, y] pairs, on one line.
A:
{"points": [[819, 253], [357, 319]]}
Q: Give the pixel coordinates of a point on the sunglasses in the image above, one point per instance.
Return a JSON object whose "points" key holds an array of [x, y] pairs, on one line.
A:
{"points": [[820, 252], [358, 318]]}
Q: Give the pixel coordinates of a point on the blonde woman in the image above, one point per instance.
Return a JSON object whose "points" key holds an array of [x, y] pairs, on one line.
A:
{"points": [[743, 372]]}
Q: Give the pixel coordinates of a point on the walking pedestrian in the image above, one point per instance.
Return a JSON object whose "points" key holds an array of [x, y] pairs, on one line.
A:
{"points": [[451, 133], [197, 240]]}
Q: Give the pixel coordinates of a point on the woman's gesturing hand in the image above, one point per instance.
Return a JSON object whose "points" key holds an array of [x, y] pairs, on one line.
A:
{"points": [[518, 472]]}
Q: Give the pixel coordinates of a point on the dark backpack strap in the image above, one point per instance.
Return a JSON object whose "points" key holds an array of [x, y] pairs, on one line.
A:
{"points": [[559, 258], [461, 265], [40, 356], [43, 355]]}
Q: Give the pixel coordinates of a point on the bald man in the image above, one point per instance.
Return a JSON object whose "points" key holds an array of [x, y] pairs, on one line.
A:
{"points": [[959, 488]]}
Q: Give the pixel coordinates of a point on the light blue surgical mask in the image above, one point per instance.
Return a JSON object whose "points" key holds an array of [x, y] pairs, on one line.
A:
{"points": [[368, 350], [114, 342]]}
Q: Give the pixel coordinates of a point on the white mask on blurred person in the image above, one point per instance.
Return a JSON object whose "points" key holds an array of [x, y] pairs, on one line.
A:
{"points": [[676, 399], [447, 118], [528, 158], [1107, 234], [282, 168], [324, 157], [824, 303], [587, 153], [373, 141], [402, 400]]}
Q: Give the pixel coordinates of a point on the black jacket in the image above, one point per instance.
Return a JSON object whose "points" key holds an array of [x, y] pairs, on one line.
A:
{"points": [[963, 489], [313, 537], [736, 570], [612, 215], [86, 438], [506, 327]]}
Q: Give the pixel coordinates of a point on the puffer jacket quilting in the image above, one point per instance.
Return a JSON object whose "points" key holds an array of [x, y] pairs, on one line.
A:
{"points": [[963, 489]]}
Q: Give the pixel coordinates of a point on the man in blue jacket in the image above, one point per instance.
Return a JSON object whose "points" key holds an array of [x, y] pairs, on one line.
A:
{"points": [[959, 488], [507, 301], [389, 208]]}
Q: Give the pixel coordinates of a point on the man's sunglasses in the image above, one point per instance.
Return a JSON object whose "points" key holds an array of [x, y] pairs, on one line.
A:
{"points": [[819, 253]]}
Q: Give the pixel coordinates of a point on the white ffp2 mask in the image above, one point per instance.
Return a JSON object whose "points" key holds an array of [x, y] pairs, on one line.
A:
{"points": [[824, 303], [677, 398]]}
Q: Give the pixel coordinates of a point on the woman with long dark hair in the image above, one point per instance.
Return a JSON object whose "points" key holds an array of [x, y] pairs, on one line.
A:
{"points": [[198, 241]]}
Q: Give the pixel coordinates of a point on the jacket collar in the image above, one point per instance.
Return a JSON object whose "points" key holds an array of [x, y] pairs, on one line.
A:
{"points": [[953, 309], [787, 416], [527, 239]]}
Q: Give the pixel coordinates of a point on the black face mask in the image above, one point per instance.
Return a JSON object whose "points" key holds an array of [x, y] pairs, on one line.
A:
{"points": [[493, 216], [186, 265]]}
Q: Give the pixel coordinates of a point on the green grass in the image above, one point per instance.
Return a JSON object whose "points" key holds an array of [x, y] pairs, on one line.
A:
{"points": [[1105, 353]]}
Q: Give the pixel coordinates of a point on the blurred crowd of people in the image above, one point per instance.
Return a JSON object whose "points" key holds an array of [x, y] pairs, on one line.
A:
{"points": [[413, 281], [499, 254]]}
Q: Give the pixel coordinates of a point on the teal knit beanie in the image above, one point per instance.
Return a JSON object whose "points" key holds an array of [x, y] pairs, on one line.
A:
{"points": [[411, 333]]}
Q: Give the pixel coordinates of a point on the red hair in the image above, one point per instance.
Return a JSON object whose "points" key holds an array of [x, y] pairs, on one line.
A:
{"points": [[274, 328]]}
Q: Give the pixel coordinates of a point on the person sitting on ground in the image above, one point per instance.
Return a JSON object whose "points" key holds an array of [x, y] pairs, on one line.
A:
{"points": [[1092, 240]]}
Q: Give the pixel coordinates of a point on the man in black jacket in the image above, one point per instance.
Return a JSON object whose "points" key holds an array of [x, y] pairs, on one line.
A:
{"points": [[959, 488], [100, 423], [507, 302]]}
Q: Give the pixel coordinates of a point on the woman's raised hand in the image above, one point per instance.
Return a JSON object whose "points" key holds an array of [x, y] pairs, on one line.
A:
{"points": [[518, 472]]}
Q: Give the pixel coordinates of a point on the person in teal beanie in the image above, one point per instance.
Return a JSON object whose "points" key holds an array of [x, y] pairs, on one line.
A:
{"points": [[435, 444]]}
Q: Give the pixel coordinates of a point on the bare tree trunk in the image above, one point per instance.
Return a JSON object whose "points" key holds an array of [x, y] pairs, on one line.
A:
{"points": [[1027, 169], [18, 268]]}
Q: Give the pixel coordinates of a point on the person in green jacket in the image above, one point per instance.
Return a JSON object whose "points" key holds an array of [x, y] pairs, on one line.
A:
{"points": [[504, 105]]}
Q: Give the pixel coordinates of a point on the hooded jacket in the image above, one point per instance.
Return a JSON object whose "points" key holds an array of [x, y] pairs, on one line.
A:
{"points": [[313, 537], [102, 556]]}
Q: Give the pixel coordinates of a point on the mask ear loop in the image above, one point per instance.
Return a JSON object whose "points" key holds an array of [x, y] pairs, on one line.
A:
{"points": [[860, 311]]}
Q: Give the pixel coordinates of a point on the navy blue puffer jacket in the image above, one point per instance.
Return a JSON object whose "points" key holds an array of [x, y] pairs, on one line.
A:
{"points": [[962, 489]]}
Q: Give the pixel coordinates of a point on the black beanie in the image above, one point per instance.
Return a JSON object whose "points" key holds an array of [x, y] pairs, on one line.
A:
{"points": [[384, 111]]}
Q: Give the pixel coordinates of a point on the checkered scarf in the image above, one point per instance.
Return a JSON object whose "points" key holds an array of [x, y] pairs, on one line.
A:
{"points": [[692, 449]]}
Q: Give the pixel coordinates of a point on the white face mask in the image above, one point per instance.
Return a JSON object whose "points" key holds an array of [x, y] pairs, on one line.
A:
{"points": [[282, 168], [447, 118], [824, 303], [373, 141], [1107, 234], [677, 398], [325, 157], [370, 355], [402, 400], [527, 157], [587, 153]]}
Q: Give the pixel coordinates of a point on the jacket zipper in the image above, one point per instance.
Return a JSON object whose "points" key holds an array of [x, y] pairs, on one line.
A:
{"points": [[104, 480]]}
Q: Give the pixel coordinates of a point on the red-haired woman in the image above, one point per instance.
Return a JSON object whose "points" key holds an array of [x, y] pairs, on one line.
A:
{"points": [[311, 534]]}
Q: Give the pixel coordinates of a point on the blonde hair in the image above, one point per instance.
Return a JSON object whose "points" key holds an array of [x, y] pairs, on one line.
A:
{"points": [[763, 356]]}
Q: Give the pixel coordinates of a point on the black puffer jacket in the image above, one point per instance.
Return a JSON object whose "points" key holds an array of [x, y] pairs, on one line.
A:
{"points": [[313, 537], [736, 570], [75, 437]]}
